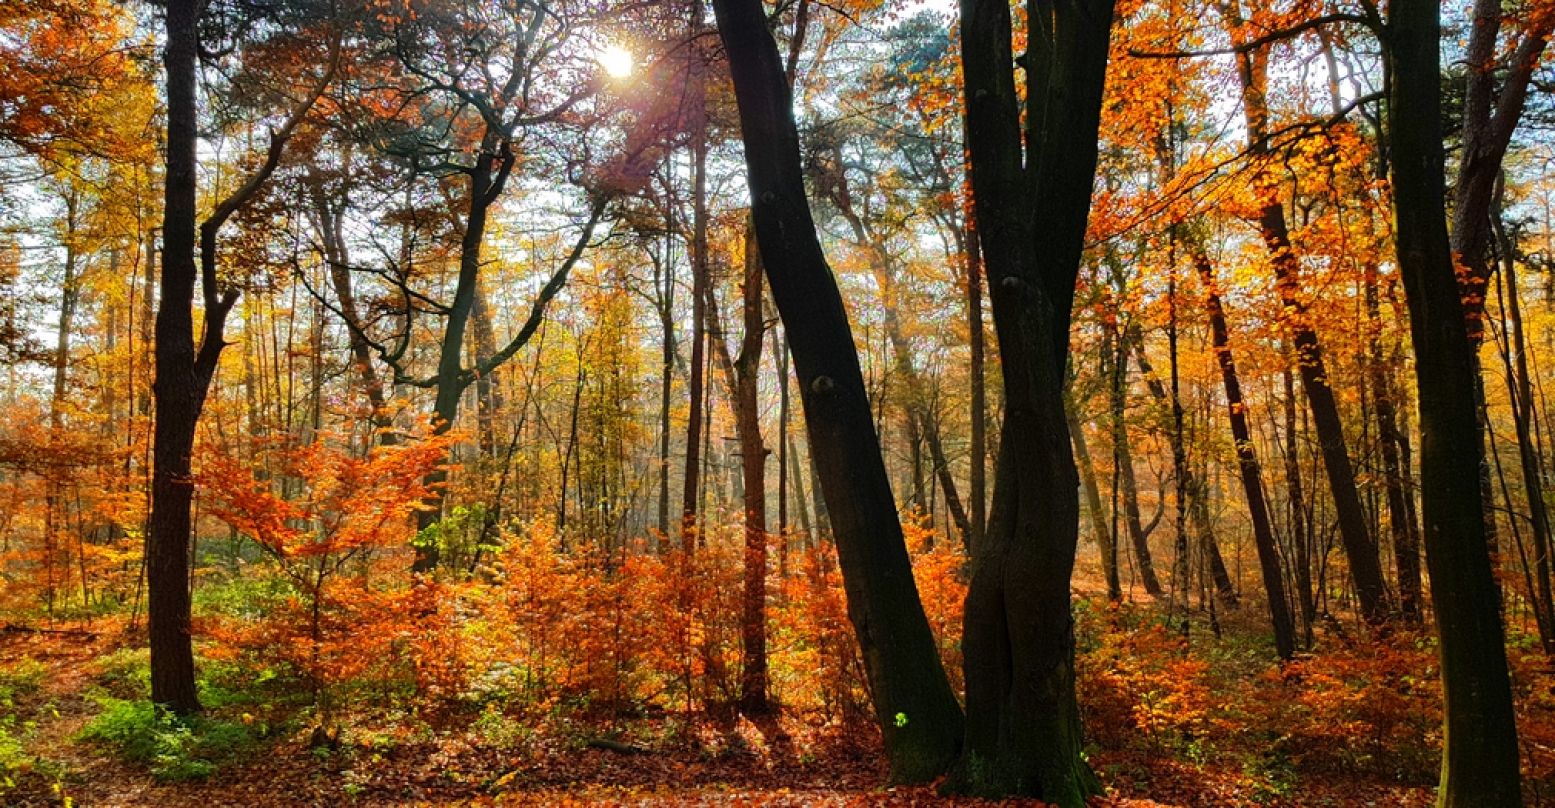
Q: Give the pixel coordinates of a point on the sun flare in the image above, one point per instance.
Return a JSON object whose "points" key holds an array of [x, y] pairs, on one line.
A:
{"points": [[616, 61]]}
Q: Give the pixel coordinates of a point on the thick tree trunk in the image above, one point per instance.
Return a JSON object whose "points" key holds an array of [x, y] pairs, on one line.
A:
{"points": [[917, 710], [1247, 463], [1023, 724], [451, 379], [178, 389], [1480, 760]]}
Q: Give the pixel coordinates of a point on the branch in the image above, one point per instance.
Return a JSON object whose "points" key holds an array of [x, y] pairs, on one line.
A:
{"points": [[1254, 44], [537, 311]]}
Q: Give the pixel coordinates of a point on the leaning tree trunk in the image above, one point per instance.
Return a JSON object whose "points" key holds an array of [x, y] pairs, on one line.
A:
{"points": [[916, 708], [1480, 754], [1359, 546], [1247, 463]]}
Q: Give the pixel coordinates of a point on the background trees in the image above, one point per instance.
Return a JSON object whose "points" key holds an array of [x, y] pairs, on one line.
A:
{"points": [[545, 225]]}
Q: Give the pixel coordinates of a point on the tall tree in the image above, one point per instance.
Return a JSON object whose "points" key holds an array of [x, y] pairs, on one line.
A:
{"points": [[184, 370], [1247, 462], [1359, 545], [1032, 193], [914, 704], [1479, 738]]}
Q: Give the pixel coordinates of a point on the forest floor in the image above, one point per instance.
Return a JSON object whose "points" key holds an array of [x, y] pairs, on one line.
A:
{"points": [[1190, 742]]}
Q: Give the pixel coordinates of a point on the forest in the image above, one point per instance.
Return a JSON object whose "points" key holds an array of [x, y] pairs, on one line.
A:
{"points": [[777, 402]]}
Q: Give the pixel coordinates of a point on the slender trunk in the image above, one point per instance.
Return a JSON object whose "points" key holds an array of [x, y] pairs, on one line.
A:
{"points": [[1406, 545], [699, 285], [665, 281], [1359, 545], [1093, 507], [977, 486], [753, 455], [1247, 463], [1480, 756], [1520, 393], [780, 351], [914, 704], [1300, 529]]}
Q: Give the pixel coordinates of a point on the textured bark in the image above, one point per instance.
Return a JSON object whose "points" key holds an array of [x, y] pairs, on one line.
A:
{"points": [[184, 371], [178, 391], [1480, 753], [914, 704], [1032, 194]]}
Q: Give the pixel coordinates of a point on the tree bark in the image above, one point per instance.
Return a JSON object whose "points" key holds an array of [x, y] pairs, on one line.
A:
{"points": [[1247, 463], [1406, 544], [1093, 507], [753, 456], [1480, 753], [691, 480], [1032, 205], [916, 708]]}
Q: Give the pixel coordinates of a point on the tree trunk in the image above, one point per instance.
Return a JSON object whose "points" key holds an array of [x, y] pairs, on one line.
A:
{"points": [[1406, 545], [1247, 464], [1520, 394], [691, 480], [1023, 723], [1093, 507], [1480, 760], [917, 710], [1360, 547], [977, 486], [1300, 528], [753, 455]]}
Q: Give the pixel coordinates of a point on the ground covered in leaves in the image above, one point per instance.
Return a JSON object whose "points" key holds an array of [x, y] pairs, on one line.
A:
{"points": [[1214, 725]]}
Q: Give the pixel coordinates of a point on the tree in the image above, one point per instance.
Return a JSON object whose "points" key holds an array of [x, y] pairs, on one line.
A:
{"points": [[184, 371], [1479, 737], [913, 702], [1032, 193]]}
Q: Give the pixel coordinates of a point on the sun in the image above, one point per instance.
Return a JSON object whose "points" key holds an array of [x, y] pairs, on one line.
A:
{"points": [[616, 61]]}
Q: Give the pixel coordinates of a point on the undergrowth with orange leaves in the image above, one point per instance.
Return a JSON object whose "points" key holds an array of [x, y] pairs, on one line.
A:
{"points": [[610, 675]]}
